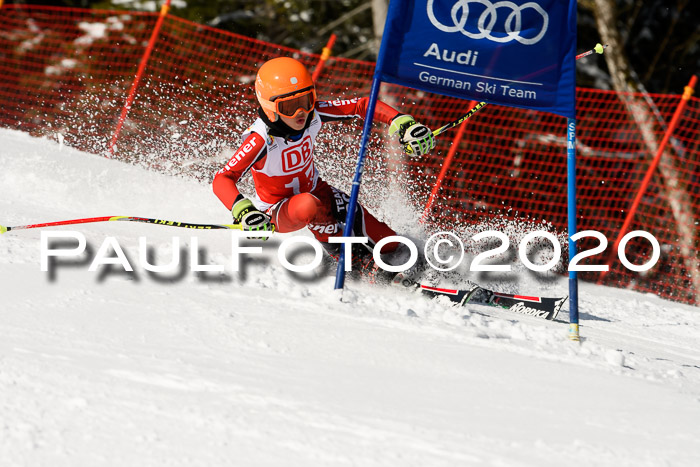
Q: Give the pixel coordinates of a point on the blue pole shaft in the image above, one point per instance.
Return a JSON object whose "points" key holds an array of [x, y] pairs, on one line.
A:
{"points": [[571, 195], [394, 8], [354, 194]]}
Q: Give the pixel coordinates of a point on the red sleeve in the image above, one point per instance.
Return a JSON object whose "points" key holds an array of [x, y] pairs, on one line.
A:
{"points": [[251, 150], [344, 109]]}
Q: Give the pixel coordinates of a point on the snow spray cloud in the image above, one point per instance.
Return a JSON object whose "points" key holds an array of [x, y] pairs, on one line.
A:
{"points": [[444, 251]]}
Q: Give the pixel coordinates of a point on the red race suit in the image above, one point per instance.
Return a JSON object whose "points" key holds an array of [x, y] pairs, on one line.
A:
{"points": [[287, 184]]}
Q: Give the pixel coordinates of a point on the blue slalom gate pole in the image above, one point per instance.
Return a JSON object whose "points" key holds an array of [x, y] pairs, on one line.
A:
{"points": [[571, 196], [366, 131], [354, 194], [357, 181]]}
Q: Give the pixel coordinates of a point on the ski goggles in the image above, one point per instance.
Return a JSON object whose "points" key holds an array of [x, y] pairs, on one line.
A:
{"points": [[290, 105]]}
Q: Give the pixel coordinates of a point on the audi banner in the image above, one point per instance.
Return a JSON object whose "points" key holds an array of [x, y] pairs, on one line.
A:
{"points": [[511, 52]]}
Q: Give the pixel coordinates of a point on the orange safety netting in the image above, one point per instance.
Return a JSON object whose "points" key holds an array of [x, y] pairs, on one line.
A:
{"points": [[66, 74]]}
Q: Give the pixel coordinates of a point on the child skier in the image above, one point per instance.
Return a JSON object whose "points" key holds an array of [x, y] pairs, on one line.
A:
{"points": [[278, 151]]}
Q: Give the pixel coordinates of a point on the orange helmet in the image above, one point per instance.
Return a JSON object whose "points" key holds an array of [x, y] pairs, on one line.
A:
{"points": [[284, 87]]}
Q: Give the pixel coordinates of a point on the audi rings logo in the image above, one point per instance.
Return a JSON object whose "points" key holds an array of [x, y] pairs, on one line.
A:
{"points": [[489, 17]]}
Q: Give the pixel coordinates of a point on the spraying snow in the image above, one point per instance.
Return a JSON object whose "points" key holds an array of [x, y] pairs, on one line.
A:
{"points": [[264, 368]]}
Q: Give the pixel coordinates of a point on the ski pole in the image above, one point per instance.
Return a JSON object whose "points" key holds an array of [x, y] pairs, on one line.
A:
{"points": [[185, 225], [599, 48], [474, 110]]}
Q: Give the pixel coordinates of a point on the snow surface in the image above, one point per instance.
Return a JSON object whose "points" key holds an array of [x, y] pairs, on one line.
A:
{"points": [[262, 368]]}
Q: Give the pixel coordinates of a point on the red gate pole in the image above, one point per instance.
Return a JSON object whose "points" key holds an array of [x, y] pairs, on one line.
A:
{"points": [[445, 167], [139, 73], [324, 56], [689, 89]]}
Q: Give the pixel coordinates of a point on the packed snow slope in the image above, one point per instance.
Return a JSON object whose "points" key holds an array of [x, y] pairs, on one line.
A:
{"points": [[264, 368]]}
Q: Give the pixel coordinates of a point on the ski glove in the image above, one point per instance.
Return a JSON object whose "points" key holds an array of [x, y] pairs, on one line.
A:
{"points": [[250, 218], [416, 139]]}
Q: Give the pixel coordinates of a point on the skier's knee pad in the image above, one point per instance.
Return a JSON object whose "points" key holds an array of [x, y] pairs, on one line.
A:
{"points": [[304, 207]]}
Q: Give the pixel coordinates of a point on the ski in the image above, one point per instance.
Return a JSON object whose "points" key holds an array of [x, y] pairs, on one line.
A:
{"points": [[539, 307]]}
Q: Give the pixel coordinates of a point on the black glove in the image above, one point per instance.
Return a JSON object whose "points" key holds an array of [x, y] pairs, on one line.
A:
{"points": [[417, 139], [250, 218]]}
